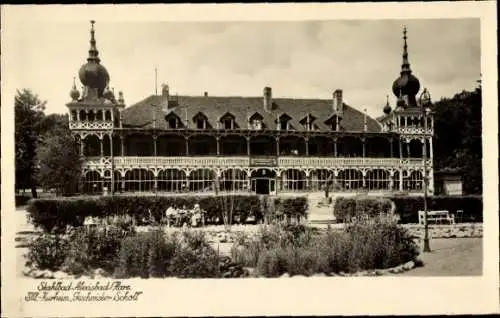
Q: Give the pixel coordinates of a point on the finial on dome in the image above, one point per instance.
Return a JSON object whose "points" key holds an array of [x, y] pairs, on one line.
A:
{"points": [[74, 94], [387, 107], [405, 67], [93, 52]]}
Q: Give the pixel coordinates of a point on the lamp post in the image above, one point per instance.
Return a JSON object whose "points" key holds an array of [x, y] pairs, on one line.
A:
{"points": [[425, 103]]}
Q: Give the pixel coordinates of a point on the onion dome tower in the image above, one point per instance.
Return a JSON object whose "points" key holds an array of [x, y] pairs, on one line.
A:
{"points": [[387, 108], [406, 86], [74, 93], [93, 75]]}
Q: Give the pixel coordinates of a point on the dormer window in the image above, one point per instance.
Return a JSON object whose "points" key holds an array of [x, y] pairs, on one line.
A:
{"points": [[256, 124], [283, 125], [284, 122], [333, 122], [201, 121], [228, 121], [308, 122], [255, 121], [172, 123]]}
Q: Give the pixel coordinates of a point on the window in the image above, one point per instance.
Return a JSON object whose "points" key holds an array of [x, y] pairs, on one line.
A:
{"points": [[228, 123], [334, 125], [172, 123], [200, 124], [283, 125], [256, 124]]}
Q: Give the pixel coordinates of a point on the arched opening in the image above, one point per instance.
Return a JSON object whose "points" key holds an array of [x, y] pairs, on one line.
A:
{"points": [[350, 179], [98, 115], [73, 115], [233, 145], [416, 149], [293, 180], [171, 145], [396, 181], [117, 146], [320, 146], [262, 146], [107, 116], [234, 180], [92, 146], [319, 179], [201, 180], [91, 115], [350, 147], [202, 145], [92, 183], [263, 181], [83, 115], [413, 181], [378, 147], [172, 180], [292, 146], [139, 180], [378, 179]]}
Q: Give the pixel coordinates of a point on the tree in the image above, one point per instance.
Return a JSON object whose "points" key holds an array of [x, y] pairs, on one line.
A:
{"points": [[28, 114], [458, 132], [59, 161]]}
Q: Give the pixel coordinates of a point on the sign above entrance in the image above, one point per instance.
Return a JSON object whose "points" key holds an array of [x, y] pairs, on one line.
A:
{"points": [[263, 162]]}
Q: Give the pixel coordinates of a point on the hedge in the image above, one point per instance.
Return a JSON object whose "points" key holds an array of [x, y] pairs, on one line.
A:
{"points": [[55, 213], [347, 207], [407, 207]]}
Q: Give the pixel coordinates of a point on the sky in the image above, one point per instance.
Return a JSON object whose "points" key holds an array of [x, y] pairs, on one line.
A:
{"points": [[302, 59]]}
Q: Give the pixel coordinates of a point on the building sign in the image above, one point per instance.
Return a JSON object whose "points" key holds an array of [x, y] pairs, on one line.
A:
{"points": [[263, 162]]}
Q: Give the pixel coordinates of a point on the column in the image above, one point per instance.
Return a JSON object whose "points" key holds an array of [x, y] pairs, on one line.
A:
{"points": [[102, 145], [364, 146], [391, 180], [82, 146], [400, 149], [248, 146], [155, 152], [335, 147], [187, 145], [400, 179], [218, 145], [431, 152], [77, 115], [122, 145], [155, 187], [307, 146], [277, 146], [112, 190], [364, 178], [408, 149]]}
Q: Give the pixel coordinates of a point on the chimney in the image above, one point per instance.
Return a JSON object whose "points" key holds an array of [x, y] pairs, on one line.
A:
{"points": [[268, 99], [338, 103], [165, 93]]}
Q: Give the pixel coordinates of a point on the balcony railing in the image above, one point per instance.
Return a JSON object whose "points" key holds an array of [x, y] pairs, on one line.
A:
{"points": [[245, 161]]}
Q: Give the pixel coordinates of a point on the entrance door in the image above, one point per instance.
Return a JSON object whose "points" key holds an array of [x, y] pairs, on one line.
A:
{"points": [[262, 186]]}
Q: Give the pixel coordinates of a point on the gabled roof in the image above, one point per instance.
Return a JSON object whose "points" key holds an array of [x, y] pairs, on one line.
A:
{"points": [[141, 113]]}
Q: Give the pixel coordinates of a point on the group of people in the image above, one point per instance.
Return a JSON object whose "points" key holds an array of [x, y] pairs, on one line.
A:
{"points": [[185, 217]]}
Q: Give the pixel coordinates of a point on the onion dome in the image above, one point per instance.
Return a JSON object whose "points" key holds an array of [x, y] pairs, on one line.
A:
{"points": [[93, 74], [387, 107], [407, 84], [74, 93]]}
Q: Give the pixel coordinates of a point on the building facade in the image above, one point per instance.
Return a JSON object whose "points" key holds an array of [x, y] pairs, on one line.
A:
{"points": [[266, 145]]}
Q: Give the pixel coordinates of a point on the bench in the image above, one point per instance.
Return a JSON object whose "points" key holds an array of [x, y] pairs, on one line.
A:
{"points": [[436, 217]]}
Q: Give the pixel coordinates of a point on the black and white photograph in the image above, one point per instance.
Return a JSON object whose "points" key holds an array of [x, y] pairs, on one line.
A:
{"points": [[217, 153]]}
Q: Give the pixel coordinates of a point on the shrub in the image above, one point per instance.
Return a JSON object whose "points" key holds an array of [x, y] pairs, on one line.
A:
{"points": [[292, 208], [93, 247], [22, 200], [407, 207], [347, 208], [377, 244], [47, 251]]}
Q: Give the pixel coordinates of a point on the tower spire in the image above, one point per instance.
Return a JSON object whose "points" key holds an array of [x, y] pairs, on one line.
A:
{"points": [[405, 67], [93, 52]]}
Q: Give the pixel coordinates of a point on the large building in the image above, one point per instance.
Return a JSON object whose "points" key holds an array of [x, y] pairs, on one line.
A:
{"points": [[262, 144]]}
